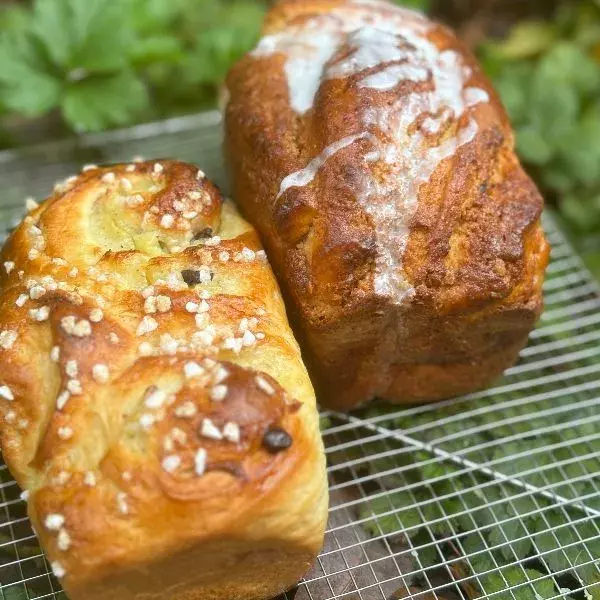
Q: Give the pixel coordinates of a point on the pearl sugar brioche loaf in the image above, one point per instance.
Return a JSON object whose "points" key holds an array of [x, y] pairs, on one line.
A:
{"points": [[153, 401]]}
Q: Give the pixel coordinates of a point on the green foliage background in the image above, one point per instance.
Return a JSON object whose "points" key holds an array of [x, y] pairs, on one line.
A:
{"points": [[106, 63], [548, 75]]}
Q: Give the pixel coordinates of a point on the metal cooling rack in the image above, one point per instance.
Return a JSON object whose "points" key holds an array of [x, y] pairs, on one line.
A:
{"points": [[493, 495]]}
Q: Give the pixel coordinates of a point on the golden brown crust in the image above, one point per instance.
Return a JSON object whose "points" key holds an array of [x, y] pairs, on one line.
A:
{"points": [[411, 249], [145, 356]]}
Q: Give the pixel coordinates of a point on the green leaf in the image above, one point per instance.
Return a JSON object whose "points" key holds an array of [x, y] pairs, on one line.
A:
{"points": [[568, 66], [159, 48], [477, 554], [497, 582], [399, 518], [581, 554], [513, 532], [433, 514], [581, 212], [429, 555], [14, 18], [479, 515], [422, 5], [557, 178], [51, 23], [532, 147], [563, 550], [16, 592], [155, 17], [592, 592], [216, 51], [105, 35], [429, 466], [219, 45], [90, 35], [513, 84], [527, 39], [104, 101], [580, 151], [324, 422], [592, 261], [474, 543], [26, 88], [585, 24], [554, 108]]}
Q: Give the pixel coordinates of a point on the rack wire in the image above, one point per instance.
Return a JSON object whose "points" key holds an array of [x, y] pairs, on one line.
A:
{"points": [[493, 495]]}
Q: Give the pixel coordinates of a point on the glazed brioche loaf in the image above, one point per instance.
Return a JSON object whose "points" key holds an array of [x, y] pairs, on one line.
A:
{"points": [[378, 165], [153, 402]]}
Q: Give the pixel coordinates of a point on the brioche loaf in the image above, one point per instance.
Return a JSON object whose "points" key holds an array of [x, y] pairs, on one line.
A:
{"points": [[153, 402], [378, 165]]}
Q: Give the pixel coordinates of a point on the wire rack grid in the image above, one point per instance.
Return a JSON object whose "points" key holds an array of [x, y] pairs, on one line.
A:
{"points": [[493, 495]]}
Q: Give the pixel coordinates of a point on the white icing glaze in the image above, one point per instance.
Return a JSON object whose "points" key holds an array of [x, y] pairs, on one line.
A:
{"points": [[388, 49], [391, 200], [474, 96], [310, 46], [306, 175], [307, 49], [391, 76], [372, 45], [372, 156]]}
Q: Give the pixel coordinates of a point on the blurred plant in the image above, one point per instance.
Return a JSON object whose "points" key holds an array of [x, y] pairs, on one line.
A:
{"points": [[548, 75], [105, 63], [102, 63]]}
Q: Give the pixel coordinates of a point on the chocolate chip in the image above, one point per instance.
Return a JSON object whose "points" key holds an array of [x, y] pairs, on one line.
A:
{"points": [[190, 276], [207, 232], [276, 439]]}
